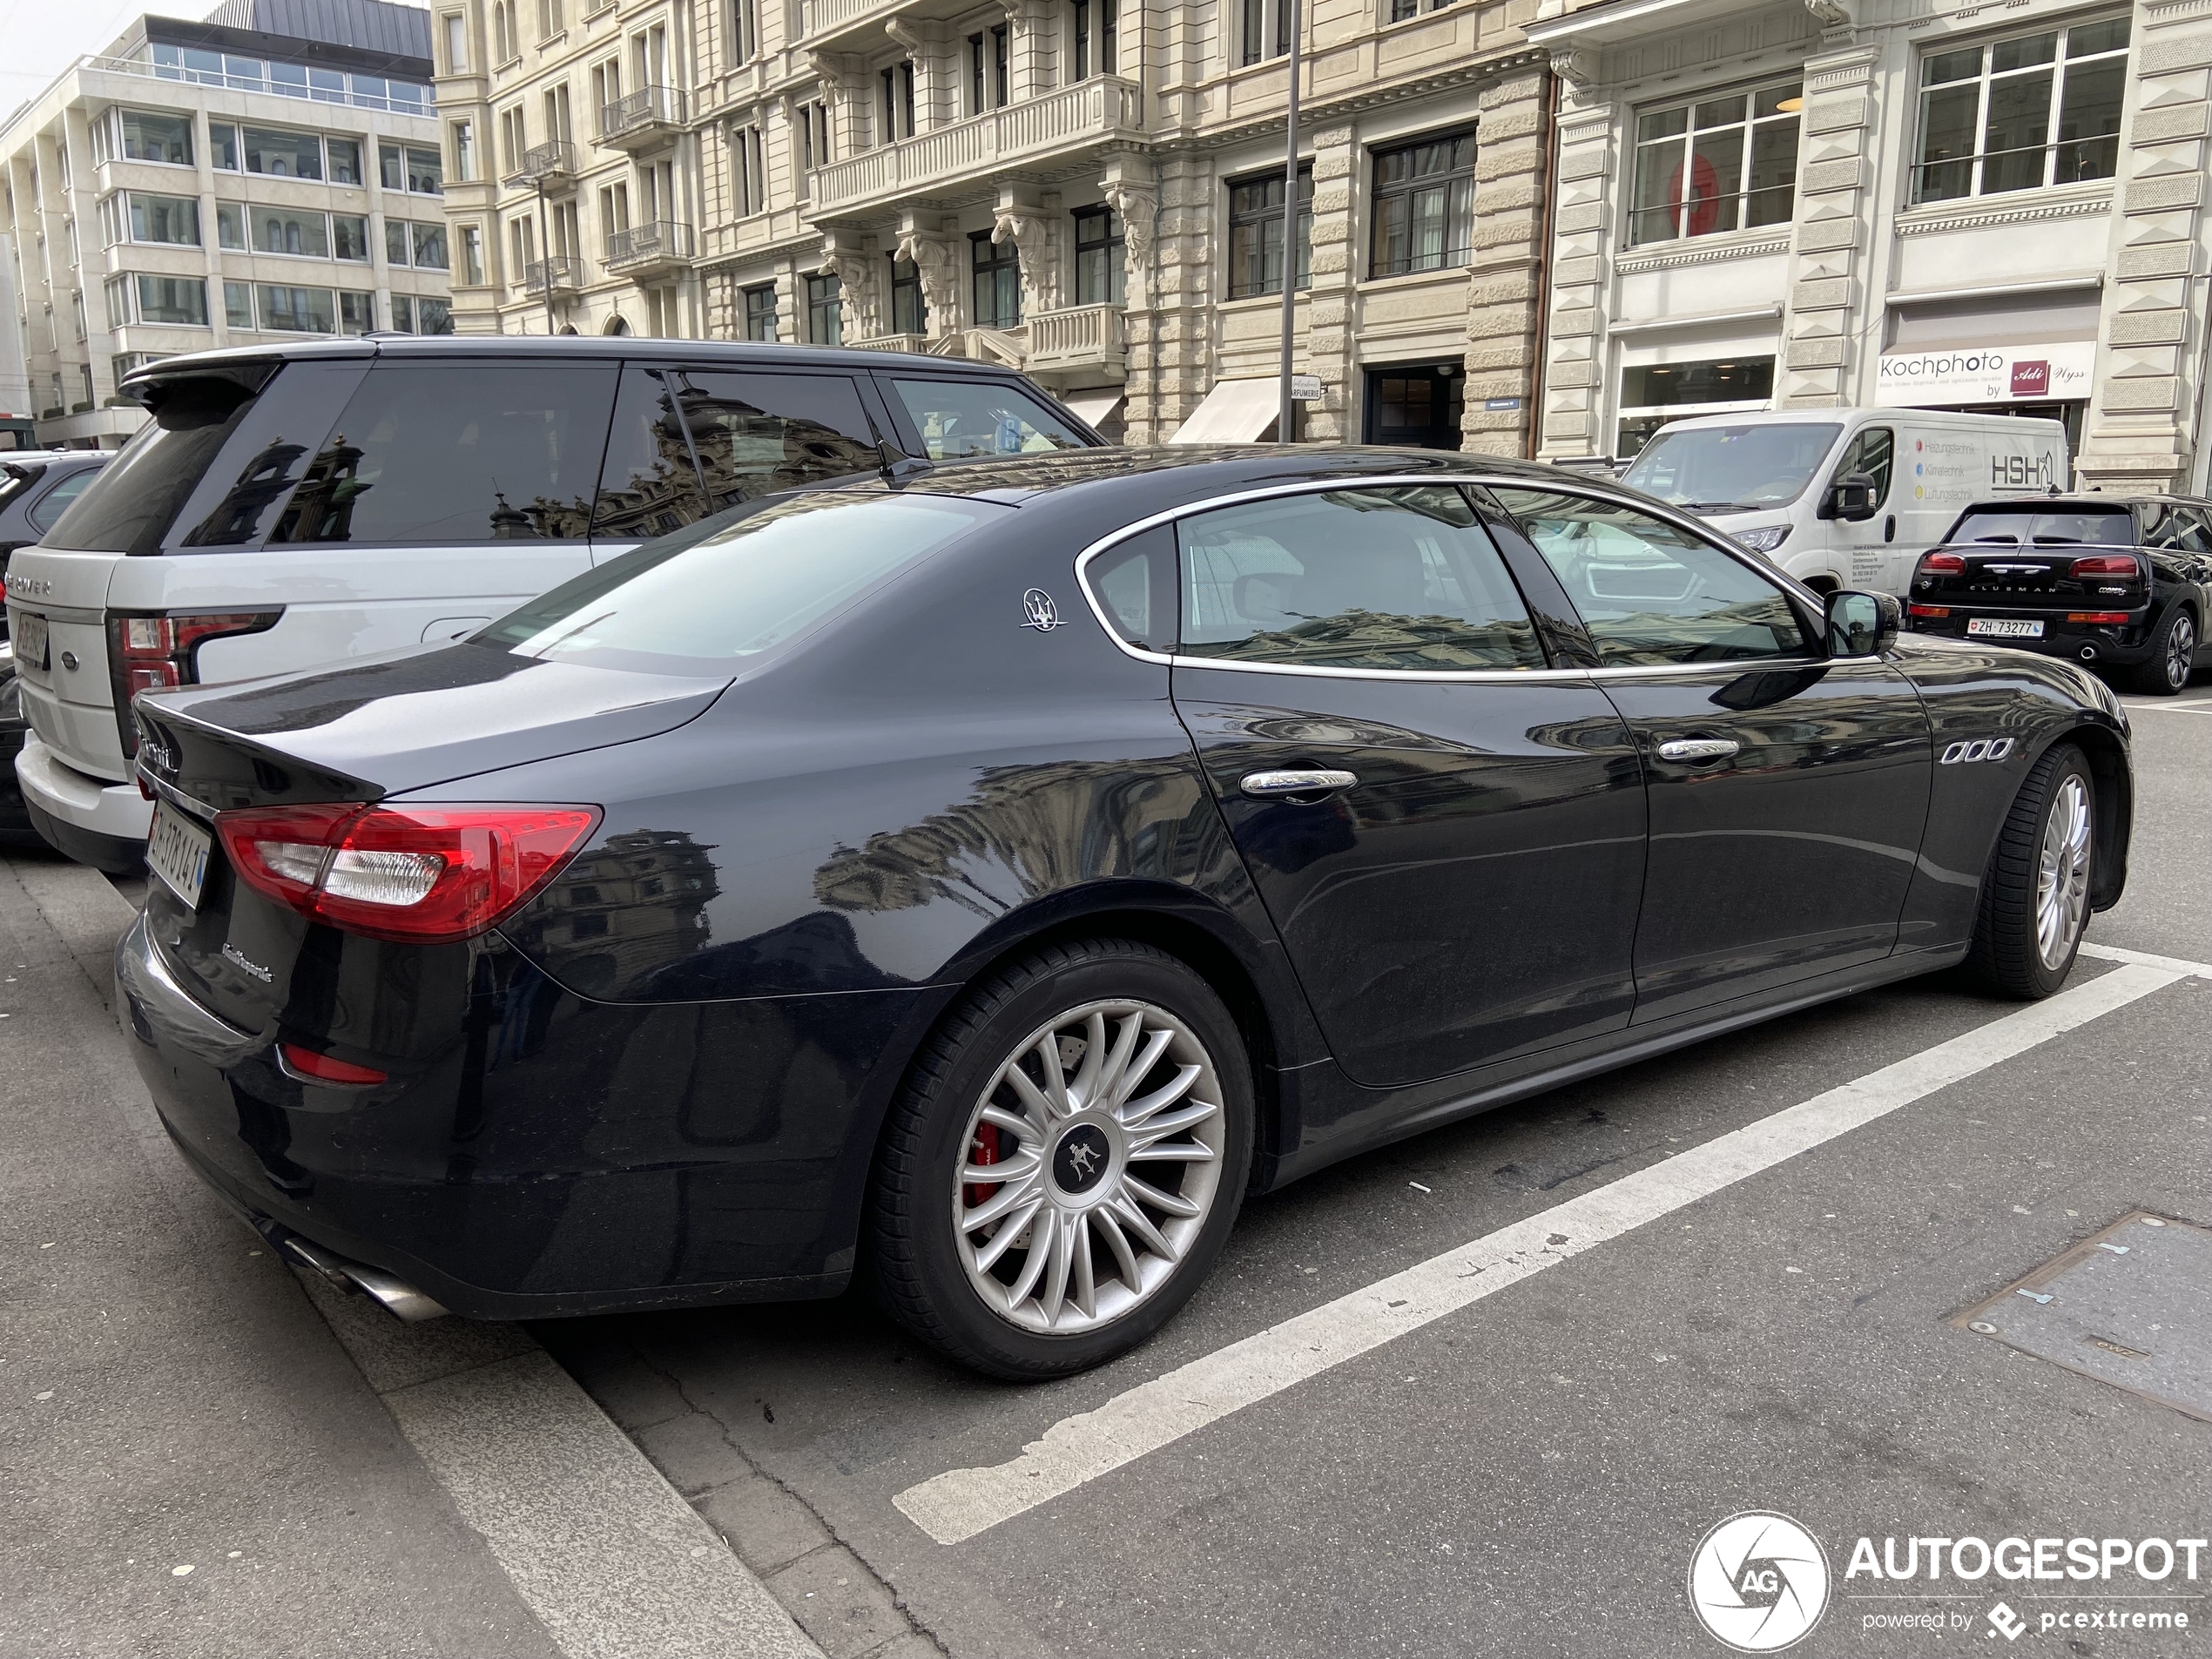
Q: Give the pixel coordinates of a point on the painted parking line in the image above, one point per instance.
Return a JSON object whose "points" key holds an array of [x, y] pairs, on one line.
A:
{"points": [[960, 1503], [2143, 958], [2169, 708]]}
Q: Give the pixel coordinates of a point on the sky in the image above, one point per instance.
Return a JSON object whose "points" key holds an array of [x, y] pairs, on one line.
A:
{"points": [[46, 36]]}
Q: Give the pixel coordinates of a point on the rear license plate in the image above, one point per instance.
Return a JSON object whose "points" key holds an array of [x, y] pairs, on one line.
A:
{"points": [[176, 852], [2005, 628], [30, 640]]}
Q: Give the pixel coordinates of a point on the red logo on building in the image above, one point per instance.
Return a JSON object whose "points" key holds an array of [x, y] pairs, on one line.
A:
{"points": [[2032, 379]]}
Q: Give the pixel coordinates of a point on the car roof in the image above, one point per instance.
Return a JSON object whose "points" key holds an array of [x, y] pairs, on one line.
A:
{"points": [[567, 347], [1201, 470]]}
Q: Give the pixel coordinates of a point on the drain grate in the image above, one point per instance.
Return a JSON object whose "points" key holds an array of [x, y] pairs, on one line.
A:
{"points": [[2131, 1306]]}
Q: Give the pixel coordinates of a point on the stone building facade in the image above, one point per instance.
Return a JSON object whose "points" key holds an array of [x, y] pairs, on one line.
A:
{"points": [[1882, 202], [1091, 191]]}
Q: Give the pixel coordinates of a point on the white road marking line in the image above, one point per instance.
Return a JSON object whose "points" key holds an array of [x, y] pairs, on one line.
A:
{"points": [[2171, 708], [2144, 959], [959, 1503]]}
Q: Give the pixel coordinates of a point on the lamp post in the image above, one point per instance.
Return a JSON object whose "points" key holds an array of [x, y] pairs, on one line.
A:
{"points": [[1285, 404]]}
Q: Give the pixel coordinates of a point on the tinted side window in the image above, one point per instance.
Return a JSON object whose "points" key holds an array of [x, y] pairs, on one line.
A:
{"points": [[47, 508], [648, 486], [266, 454], [458, 453], [130, 505], [1649, 593], [1400, 579], [1136, 584], [960, 418]]}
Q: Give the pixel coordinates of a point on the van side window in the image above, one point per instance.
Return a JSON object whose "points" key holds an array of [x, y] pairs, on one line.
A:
{"points": [[453, 454], [751, 435], [1874, 452]]}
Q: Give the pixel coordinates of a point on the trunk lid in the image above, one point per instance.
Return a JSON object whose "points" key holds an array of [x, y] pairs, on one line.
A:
{"points": [[2029, 577]]}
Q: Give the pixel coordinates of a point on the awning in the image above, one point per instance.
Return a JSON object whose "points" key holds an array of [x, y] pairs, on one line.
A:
{"points": [[1095, 408], [1234, 412]]}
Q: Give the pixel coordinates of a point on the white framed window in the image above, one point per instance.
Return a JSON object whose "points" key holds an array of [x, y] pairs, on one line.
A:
{"points": [[744, 30], [471, 271], [454, 26], [514, 139], [461, 135], [2024, 112], [749, 171], [1726, 161]]}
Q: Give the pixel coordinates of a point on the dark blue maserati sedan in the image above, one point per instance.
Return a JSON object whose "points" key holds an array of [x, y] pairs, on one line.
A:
{"points": [[984, 881]]}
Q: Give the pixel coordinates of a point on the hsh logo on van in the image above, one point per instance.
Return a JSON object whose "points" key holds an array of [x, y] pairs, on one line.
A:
{"points": [[2018, 472]]}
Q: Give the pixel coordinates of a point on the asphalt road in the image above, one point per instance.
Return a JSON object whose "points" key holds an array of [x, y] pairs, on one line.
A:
{"points": [[1531, 1473]]}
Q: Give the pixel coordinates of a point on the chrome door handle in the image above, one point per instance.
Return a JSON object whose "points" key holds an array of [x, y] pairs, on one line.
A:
{"points": [[1269, 786], [1699, 749]]}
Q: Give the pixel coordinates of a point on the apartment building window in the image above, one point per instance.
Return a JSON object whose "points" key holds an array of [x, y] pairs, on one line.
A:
{"points": [[502, 31], [462, 136], [148, 136], [1423, 205], [172, 299], [744, 30], [997, 267], [1401, 10], [1100, 267], [760, 311], [749, 167], [230, 226], [825, 310], [298, 311], [522, 247], [356, 313], [414, 313], [663, 320], [456, 36], [415, 169], [283, 155], [614, 209], [349, 236], [140, 218], [76, 313], [472, 255], [814, 134], [1723, 163], [345, 161], [550, 20], [606, 86], [237, 304], [1256, 234], [222, 147], [514, 140], [2022, 113], [898, 107], [988, 82], [909, 315], [289, 230], [1266, 30], [556, 113]]}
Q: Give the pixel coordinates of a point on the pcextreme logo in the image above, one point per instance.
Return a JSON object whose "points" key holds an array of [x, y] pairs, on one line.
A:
{"points": [[1758, 1582]]}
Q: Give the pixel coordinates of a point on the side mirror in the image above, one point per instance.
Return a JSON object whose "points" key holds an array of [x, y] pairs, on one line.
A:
{"points": [[1852, 497], [1863, 624]]}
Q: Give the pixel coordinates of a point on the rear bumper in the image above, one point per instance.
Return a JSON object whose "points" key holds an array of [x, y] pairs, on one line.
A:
{"points": [[92, 820], [508, 1184], [2099, 644]]}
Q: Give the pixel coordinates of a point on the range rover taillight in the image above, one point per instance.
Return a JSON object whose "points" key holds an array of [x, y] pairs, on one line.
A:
{"points": [[158, 653]]}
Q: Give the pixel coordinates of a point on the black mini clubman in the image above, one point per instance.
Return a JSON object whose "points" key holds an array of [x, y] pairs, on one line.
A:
{"points": [[990, 879]]}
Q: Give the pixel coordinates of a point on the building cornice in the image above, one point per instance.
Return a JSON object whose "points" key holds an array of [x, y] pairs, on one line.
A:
{"points": [[1678, 255], [1924, 223]]}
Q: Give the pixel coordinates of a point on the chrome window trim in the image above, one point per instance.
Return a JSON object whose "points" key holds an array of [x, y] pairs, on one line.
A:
{"points": [[1705, 533]]}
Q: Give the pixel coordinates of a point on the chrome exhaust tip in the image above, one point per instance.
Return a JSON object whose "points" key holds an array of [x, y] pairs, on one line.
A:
{"points": [[391, 1293], [2088, 653]]}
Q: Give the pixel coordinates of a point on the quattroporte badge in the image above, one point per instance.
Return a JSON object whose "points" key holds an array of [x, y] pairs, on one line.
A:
{"points": [[1039, 611]]}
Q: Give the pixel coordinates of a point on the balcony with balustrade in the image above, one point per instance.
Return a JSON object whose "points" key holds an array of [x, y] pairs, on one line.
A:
{"points": [[639, 120], [557, 278], [1078, 337], [652, 249], [828, 20], [1040, 134], [550, 166], [916, 343]]}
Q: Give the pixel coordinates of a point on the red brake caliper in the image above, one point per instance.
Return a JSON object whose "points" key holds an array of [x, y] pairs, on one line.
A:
{"points": [[984, 1148]]}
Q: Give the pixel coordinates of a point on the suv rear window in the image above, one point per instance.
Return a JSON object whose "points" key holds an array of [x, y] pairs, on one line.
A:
{"points": [[2033, 526], [702, 602], [129, 504], [961, 418]]}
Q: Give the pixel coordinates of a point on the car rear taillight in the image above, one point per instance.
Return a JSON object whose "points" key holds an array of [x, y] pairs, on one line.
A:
{"points": [[1942, 564], [1931, 611], [160, 653], [2097, 616], [321, 1068], [2108, 564], [417, 875]]}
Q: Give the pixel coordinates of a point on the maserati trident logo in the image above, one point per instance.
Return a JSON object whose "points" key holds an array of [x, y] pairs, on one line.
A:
{"points": [[1079, 1162], [1758, 1582], [1082, 1159], [1041, 613]]}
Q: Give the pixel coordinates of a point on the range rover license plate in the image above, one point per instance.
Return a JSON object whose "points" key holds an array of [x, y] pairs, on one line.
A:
{"points": [[176, 852], [30, 640], [2005, 627]]}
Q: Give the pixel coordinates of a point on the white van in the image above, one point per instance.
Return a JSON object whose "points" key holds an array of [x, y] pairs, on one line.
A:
{"points": [[292, 507], [1774, 481]]}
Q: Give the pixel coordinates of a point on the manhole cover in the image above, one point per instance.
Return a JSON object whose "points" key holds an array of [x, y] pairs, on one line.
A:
{"points": [[2131, 1306]]}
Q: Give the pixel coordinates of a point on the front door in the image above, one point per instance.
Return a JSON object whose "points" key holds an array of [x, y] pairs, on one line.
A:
{"points": [[1447, 835], [1867, 550], [1788, 790], [1416, 408]]}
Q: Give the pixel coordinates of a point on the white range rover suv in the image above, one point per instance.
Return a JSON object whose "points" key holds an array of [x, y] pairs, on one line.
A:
{"points": [[291, 507]]}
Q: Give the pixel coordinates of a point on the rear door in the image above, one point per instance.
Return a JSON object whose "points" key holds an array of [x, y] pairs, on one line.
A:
{"points": [[1447, 828], [1788, 791]]}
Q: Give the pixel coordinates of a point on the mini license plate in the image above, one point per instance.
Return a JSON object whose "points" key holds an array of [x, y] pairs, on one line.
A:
{"points": [[30, 640], [176, 852], [2005, 627]]}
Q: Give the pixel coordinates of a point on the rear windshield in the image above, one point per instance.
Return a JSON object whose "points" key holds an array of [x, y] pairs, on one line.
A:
{"points": [[963, 418], [2045, 527], [697, 602], [130, 502]]}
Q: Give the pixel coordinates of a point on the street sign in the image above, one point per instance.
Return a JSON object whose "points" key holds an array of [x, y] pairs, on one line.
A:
{"points": [[1305, 388]]}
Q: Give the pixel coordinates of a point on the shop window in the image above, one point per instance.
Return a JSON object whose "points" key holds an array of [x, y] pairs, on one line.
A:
{"points": [[1100, 269], [2021, 113], [1256, 234], [1423, 205], [1654, 394], [1726, 162], [998, 281]]}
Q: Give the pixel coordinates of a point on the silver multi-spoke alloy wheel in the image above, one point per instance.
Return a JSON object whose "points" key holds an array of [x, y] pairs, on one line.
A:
{"points": [[2062, 872], [2180, 650], [1088, 1167]]}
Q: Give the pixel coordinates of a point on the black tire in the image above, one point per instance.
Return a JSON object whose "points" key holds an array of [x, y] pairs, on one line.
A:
{"points": [[2006, 957], [2172, 659], [919, 1272]]}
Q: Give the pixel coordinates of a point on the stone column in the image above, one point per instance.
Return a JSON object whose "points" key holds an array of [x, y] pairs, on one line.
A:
{"points": [[1820, 338], [1502, 294], [1327, 334], [1171, 331], [1573, 387], [2142, 418]]}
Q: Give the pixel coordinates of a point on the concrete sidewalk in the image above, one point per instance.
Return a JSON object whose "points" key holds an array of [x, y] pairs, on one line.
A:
{"points": [[196, 1460]]}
